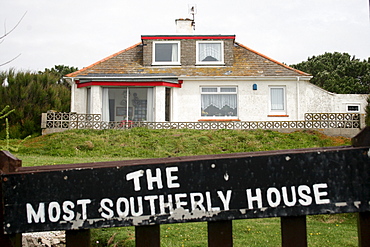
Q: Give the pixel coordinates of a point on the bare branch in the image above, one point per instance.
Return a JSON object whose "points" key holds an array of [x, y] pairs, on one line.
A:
{"points": [[11, 30], [6, 34], [10, 60]]}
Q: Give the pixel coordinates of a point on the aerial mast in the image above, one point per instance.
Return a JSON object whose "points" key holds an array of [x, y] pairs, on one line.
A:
{"points": [[192, 9]]}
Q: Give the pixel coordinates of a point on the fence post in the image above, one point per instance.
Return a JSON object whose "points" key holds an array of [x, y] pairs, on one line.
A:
{"points": [[147, 236], [293, 231], [363, 218], [80, 238], [8, 163], [220, 233], [363, 229], [43, 120]]}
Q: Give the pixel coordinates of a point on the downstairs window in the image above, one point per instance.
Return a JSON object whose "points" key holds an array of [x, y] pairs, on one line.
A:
{"points": [[219, 101]]}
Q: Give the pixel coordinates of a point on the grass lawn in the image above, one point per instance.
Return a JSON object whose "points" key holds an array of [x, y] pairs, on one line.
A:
{"points": [[322, 231]]}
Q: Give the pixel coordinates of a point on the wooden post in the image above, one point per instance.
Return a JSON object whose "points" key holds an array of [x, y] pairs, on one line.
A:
{"points": [[8, 163], [147, 236], [363, 229], [293, 231], [220, 233], [80, 238], [362, 139]]}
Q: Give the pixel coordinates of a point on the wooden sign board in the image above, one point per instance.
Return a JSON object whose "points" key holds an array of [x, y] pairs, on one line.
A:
{"points": [[184, 189]]}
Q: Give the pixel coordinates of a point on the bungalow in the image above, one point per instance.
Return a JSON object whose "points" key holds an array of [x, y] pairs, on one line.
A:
{"points": [[188, 77]]}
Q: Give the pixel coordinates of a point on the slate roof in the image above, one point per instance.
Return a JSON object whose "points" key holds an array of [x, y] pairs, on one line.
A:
{"points": [[129, 63]]}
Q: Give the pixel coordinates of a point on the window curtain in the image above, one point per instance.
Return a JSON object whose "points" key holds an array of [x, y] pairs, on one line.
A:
{"points": [[88, 100], [174, 55], [210, 52], [218, 100], [277, 99], [149, 109], [105, 110]]}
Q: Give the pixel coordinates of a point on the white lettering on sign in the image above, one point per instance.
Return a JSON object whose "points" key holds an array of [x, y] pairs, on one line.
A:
{"points": [[154, 179], [164, 204], [273, 197], [257, 198], [288, 196], [193, 203], [135, 176], [55, 211], [303, 193], [318, 194], [37, 217], [171, 178]]}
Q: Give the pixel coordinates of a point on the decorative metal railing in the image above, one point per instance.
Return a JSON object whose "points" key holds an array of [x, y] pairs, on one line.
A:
{"points": [[58, 120]]}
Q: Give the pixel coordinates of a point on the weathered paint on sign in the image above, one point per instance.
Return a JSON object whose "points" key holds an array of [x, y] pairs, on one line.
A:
{"points": [[206, 188]]}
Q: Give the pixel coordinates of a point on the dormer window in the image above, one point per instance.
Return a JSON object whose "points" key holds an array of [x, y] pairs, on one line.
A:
{"points": [[166, 53], [210, 52]]}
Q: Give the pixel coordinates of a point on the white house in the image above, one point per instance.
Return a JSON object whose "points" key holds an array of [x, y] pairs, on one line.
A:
{"points": [[187, 77]]}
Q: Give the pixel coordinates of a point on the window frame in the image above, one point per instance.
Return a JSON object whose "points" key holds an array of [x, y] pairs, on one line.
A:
{"points": [[154, 62], [197, 53], [219, 92], [278, 112]]}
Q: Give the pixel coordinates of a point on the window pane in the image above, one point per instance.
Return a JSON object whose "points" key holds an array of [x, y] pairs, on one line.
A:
{"points": [[277, 99], [228, 90], [219, 105], [127, 104], [210, 52], [209, 89], [166, 52]]}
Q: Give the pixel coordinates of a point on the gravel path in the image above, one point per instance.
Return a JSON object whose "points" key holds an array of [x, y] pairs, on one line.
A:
{"points": [[45, 239]]}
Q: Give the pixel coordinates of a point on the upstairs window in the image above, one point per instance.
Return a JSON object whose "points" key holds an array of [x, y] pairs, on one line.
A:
{"points": [[166, 53], [219, 102], [210, 52]]}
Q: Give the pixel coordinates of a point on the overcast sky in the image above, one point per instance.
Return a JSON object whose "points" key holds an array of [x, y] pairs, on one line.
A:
{"points": [[81, 32]]}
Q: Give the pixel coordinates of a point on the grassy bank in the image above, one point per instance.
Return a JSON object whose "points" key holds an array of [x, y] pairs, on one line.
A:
{"points": [[80, 146]]}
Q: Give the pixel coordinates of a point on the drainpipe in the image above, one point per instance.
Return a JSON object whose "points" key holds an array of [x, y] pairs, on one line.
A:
{"points": [[298, 101], [71, 82]]}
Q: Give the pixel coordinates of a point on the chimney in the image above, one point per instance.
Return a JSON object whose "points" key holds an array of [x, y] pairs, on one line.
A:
{"points": [[184, 25]]}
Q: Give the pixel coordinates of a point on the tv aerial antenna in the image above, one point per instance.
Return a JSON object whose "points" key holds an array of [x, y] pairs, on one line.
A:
{"points": [[192, 9]]}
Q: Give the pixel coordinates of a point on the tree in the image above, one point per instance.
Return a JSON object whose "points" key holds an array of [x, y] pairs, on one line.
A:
{"points": [[60, 71], [338, 73], [367, 111], [31, 94]]}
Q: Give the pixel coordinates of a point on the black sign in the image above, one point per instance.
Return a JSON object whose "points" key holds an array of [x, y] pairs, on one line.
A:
{"points": [[201, 188]]}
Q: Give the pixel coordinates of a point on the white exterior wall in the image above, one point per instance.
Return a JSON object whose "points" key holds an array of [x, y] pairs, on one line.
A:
{"points": [[342, 100], [159, 104], [317, 100], [78, 99], [96, 100], [254, 105]]}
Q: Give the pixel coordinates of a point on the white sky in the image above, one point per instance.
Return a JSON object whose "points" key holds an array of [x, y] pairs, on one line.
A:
{"points": [[81, 32]]}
